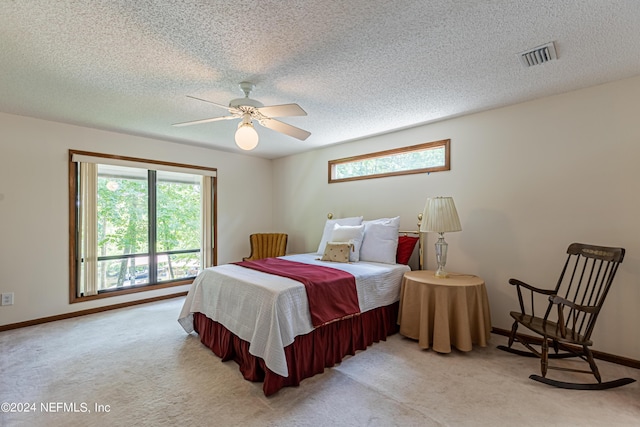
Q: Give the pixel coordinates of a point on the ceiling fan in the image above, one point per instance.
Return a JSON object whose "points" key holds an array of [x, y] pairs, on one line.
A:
{"points": [[248, 110]]}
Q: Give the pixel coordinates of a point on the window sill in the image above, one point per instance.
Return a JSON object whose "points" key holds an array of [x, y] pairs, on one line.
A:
{"points": [[74, 298]]}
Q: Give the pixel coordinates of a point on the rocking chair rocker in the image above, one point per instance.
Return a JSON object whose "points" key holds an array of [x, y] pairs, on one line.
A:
{"points": [[578, 296]]}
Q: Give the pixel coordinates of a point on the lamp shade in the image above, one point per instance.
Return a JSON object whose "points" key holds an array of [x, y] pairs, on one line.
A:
{"points": [[440, 215]]}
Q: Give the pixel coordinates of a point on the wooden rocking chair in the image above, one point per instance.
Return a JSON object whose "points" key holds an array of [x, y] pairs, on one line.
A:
{"points": [[578, 296]]}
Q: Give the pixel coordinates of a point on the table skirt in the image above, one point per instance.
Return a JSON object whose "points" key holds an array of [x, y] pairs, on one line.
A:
{"points": [[442, 316]]}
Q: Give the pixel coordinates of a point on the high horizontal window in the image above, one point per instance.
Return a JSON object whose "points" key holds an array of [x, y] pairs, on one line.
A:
{"points": [[422, 158], [137, 224]]}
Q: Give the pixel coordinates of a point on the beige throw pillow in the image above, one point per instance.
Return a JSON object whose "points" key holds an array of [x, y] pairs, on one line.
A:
{"points": [[337, 251]]}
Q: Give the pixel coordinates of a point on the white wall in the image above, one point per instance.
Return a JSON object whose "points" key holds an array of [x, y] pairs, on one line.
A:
{"points": [[34, 207], [527, 180]]}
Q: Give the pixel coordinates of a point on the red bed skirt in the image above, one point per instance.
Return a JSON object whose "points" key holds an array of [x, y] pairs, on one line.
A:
{"points": [[309, 354]]}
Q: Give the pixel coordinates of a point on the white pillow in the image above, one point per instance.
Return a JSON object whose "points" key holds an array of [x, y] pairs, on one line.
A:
{"points": [[380, 241], [328, 229], [351, 234], [387, 221]]}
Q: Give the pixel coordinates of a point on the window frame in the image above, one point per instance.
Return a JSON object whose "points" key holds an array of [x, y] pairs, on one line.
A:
{"points": [[73, 223], [446, 143]]}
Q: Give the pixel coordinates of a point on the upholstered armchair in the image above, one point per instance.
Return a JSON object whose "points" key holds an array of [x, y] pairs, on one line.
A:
{"points": [[267, 245]]}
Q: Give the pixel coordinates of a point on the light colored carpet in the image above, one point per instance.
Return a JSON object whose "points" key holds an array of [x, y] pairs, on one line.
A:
{"points": [[140, 365]]}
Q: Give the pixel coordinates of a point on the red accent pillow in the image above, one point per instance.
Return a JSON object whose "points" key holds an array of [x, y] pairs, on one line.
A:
{"points": [[406, 244]]}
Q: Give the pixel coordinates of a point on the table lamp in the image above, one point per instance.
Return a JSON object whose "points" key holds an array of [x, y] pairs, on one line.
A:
{"points": [[440, 215]]}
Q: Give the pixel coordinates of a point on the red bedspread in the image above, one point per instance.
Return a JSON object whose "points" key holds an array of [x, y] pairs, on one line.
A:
{"points": [[332, 293]]}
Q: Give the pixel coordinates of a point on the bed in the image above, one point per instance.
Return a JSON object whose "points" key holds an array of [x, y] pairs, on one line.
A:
{"points": [[263, 319]]}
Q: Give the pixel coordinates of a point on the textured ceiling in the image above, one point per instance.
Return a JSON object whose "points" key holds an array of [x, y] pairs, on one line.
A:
{"points": [[358, 67]]}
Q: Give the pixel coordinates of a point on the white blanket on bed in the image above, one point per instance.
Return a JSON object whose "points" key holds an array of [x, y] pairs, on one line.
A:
{"points": [[269, 311]]}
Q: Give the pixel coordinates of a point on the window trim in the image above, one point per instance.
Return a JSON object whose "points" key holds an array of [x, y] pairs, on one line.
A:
{"points": [[73, 238], [446, 143]]}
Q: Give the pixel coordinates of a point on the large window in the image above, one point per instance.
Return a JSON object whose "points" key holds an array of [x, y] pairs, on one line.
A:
{"points": [[137, 224], [422, 158]]}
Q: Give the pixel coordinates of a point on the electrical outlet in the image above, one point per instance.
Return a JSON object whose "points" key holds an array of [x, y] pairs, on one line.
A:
{"points": [[7, 298]]}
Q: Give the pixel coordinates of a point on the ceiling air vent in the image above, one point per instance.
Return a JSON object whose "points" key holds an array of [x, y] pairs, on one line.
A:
{"points": [[538, 55]]}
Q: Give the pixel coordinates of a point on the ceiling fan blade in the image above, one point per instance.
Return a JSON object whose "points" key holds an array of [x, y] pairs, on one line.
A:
{"points": [[284, 110], [281, 127], [226, 107], [197, 122]]}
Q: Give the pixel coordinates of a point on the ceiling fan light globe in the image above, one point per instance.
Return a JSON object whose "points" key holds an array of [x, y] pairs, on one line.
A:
{"points": [[246, 137]]}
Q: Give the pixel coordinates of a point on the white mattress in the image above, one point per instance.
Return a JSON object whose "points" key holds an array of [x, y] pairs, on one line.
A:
{"points": [[269, 311]]}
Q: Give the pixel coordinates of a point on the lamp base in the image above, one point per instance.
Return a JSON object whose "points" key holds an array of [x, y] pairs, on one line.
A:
{"points": [[441, 274], [441, 257]]}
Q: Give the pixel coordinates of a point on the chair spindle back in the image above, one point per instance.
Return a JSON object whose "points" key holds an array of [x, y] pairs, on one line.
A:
{"points": [[585, 280]]}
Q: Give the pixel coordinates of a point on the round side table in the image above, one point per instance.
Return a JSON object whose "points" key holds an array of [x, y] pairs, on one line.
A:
{"points": [[444, 312]]}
